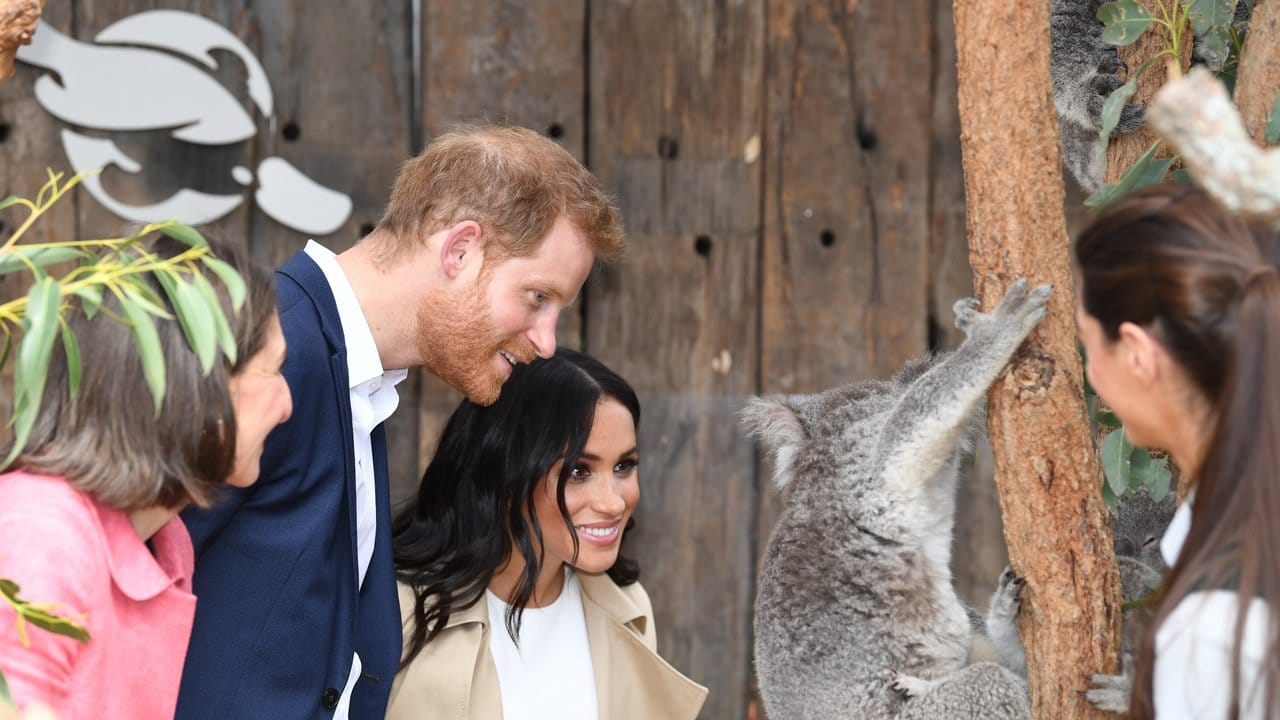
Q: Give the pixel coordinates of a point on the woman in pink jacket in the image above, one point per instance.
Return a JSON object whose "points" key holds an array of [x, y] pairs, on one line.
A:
{"points": [[88, 511]]}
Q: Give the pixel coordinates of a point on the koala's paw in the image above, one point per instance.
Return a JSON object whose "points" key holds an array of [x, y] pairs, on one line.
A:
{"points": [[1109, 692], [967, 313], [909, 686], [1008, 596]]}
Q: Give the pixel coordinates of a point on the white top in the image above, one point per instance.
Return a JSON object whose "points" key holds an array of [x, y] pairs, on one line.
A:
{"points": [[373, 399], [549, 676], [1192, 676]]}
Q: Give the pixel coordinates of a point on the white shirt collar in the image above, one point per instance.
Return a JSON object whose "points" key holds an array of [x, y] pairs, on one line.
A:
{"points": [[363, 362]]}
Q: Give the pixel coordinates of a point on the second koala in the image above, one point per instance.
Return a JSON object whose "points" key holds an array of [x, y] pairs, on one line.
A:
{"points": [[856, 614]]}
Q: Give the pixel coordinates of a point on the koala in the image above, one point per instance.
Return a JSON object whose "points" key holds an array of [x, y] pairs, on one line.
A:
{"points": [[856, 615], [1137, 525], [1085, 71]]}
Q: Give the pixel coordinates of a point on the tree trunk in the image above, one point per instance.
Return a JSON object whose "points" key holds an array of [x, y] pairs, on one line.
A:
{"points": [[1047, 471], [1258, 79], [18, 20]]}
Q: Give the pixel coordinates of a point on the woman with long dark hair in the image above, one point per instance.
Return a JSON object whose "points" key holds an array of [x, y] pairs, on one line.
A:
{"points": [[1180, 319], [517, 603]]}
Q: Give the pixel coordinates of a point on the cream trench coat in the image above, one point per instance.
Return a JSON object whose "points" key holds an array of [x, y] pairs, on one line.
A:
{"points": [[454, 677]]}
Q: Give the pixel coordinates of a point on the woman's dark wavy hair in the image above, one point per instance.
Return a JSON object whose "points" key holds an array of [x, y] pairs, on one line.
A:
{"points": [[1204, 283], [476, 500]]}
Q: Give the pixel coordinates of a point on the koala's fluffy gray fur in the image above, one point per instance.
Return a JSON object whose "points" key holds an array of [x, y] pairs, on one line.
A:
{"points": [[856, 615], [1084, 72]]}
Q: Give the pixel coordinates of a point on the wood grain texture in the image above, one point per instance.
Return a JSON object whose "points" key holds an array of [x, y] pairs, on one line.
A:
{"points": [[1046, 469], [846, 250], [675, 98]]}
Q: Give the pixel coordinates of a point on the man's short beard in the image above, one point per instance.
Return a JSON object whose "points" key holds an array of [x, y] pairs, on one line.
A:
{"points": [[457, 340]]}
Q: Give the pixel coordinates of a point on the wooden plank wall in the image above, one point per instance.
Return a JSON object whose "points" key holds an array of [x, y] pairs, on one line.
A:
{"points": [[788, 171]]}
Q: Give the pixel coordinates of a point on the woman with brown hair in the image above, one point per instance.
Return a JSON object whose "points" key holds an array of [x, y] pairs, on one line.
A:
{"points": [[88, 510], [1180, 319]]}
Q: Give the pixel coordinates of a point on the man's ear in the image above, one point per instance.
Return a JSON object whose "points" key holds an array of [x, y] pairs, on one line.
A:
{"points": [[461, 248], [1142, 354]]}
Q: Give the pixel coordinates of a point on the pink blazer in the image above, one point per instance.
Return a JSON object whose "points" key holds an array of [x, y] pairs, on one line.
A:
{"points": [[62, 546]]}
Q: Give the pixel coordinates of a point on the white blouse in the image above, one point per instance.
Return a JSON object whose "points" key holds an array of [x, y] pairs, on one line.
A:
{"points": [[549, 675], [1192, 676]]}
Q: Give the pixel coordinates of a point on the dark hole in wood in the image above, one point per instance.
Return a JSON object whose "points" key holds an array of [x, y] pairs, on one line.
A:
{"points": [[935, 336], [291, 131], [555, 131], [365, 229], [668, 148], [827, 238], [867, 139], [702, 245], [4, 131]]}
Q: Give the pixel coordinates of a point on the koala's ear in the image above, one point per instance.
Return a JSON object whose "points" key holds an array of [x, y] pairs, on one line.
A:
{"points": [[777, 426]]}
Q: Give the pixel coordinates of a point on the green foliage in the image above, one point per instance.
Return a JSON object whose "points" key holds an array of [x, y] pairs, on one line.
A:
{"points": [[1124, 21], [1272, 132], [1211, 20], [41, 615], [1146, 171], [119, 266]]}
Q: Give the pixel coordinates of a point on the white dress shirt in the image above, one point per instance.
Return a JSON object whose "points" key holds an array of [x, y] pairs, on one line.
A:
{"points": [[373, 399]]}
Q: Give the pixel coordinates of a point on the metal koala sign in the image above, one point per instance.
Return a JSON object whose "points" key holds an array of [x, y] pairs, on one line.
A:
{"points": [[149, 71]]}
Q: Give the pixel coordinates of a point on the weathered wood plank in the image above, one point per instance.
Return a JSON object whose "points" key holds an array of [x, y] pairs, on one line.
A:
{"points": [[846, 202], [343, 81], [675, 103]]}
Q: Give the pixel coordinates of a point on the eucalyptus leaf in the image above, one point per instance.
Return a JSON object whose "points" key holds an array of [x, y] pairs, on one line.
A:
{"points": [[184, 234], [1140, 468], [1109, 419], [144, 333], [90, 299], [11, 260], [5, 698], [1161, 479], [1116, 461], [144, 298], [1109, 497], [235, 284], [193, 316], [1124, 21], [226, 338], [1272, 132], [32, 365], [1209, 15], [1109, 193], [57, 624], [72, 347], [9, 201], [1113, 106], [1180, 176]]}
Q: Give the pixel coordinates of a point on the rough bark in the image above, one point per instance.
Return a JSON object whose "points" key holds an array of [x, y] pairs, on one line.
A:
{"points": [[18, 20], [1258, 79], [1046, 468], [1198, 120], [1125, 150]]}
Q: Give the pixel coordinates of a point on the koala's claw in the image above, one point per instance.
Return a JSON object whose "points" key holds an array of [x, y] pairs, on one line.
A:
{"points": [[1009, 589], [1109, 692], [966, 310], [908, 686]]}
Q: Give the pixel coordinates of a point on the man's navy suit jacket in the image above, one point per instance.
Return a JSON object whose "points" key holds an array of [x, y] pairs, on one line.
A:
{"points": [[278, 611]]}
